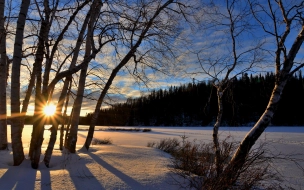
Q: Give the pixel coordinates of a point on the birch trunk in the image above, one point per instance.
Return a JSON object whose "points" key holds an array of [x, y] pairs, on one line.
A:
{"points": [[231, 173], [216, 126], [64, 117], [3, 77], [28, 94], [16, 128], [72, 138], [38, 125], [40, 99], [67, 131]]}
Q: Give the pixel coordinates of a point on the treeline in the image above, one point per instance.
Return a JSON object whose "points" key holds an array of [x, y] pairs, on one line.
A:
{"points": [[195, 104]]}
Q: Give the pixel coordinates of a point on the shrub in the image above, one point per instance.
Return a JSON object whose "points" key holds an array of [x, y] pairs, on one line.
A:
{"points": [[151, 144], [101, 141], [195, 162], [135, 129], [167, 145], [146, 130]]}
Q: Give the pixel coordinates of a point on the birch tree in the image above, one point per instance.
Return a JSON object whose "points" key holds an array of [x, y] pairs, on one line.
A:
{"points": [[43, 46], [51, 54], [64, 91], [152, 22], [287, 24], [44, 88], [40, 102], [72, 137], [230, 53]]}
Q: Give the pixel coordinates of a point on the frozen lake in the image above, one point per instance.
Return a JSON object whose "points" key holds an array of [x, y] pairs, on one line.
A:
{"points": [[285, 140]]}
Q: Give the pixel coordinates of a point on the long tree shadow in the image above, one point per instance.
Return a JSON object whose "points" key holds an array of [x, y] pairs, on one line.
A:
{"points": [[23, 176], [19, 177], [82, 175], [133, 184], [45, 179]]}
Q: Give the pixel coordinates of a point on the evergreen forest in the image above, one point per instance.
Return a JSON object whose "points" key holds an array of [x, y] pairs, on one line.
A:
{"points": [[195, 104]]}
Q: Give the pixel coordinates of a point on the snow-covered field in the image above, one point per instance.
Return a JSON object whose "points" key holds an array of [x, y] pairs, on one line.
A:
{"points": [[130, 164]]}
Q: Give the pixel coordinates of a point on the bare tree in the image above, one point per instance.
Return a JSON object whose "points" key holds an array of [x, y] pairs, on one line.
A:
{"points": [[229, 54], [90, 45], [40, 101], [143, 22], [65, 87], [44, 89], [287, 19]]}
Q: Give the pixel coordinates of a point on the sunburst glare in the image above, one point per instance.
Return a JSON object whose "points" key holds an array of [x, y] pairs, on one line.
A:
{"points": [[49, 110]]}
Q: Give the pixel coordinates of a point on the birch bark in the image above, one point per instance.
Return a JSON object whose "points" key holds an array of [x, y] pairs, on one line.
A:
{"points": [[16, 127]]}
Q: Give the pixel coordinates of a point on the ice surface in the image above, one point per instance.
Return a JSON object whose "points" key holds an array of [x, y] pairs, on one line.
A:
{"points": [[130, 164]]}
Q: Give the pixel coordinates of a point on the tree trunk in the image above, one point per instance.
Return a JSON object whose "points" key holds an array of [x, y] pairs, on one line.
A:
{"points": [[28, 94], [3, 77], [62, 131], [39, 121], [64, 118], [231, 173], [218, 161], [72, 138], [40, 99], [68, 129], [16, 128]]}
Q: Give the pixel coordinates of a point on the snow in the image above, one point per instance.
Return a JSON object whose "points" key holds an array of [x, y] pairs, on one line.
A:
{"points": [[130, 164]]}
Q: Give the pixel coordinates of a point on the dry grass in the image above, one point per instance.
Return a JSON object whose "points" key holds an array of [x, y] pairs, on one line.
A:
{"points": [[195, 162], [147, 130], [104, 141]]}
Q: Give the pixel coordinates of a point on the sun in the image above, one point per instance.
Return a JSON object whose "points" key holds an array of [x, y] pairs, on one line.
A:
{"points": [[49, 110]]}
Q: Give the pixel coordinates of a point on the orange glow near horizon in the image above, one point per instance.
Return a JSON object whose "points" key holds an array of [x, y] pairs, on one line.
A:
{"points": [[49, 110]]}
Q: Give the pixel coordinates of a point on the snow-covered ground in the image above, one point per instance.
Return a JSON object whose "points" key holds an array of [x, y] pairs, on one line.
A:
{"points": [[130, 164]]}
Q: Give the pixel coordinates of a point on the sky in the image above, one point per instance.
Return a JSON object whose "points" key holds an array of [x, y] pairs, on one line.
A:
{"points": [[208, 43]]}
